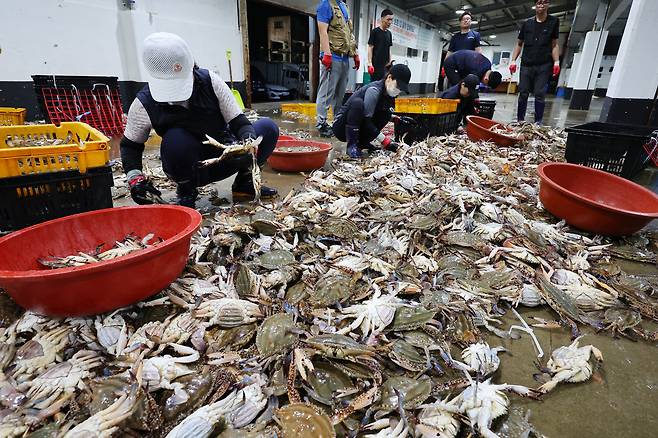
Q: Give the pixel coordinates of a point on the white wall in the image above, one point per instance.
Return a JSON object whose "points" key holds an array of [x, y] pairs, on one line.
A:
{"points": [[100, 37]]}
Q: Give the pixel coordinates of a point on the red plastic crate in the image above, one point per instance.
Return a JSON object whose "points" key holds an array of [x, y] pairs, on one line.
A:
{"points": [[99, 107]]}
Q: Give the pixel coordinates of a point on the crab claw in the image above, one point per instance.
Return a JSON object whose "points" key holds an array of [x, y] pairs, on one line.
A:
{"points": [[525, 391]]}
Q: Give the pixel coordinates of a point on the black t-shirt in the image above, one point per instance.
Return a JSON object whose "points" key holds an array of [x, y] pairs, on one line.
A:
{"points": [[381, 40], [464, 41], [537, 40]]}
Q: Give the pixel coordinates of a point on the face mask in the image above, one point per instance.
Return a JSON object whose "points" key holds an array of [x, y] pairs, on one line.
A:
{"points": [[392, 90]]}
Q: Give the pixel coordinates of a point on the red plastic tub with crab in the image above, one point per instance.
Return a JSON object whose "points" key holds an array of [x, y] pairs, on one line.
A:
{"points": [[595, 201], [479, 129], [293, 156], [98, 287]]}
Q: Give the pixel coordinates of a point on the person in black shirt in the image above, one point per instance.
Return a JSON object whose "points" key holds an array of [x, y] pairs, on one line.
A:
{"points": [[466, 62], [379, 47], [541, 58], [465, 39]]}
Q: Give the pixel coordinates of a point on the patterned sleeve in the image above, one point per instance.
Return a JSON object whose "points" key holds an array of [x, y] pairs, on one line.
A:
{"points": [[138, 126], [227, 103]]}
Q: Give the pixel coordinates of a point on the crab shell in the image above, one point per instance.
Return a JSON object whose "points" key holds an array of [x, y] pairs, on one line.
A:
{"points": [[274, 335], [228, 312], [103, 424], [414, 392], [39, 352], [405, 355], [202, 421], [481, 358], [572, 358], [63, 377], [474, 397], [275, 259], [299, 420], [436, 422], [160, 371]]}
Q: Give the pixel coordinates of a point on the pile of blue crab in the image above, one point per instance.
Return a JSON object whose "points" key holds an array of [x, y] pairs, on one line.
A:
{"points": [[366, 303]]}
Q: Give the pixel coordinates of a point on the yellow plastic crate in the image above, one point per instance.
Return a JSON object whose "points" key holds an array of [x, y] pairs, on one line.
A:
{"points": [[308, 109], [84, 148], [425, 105], [12, 116]]}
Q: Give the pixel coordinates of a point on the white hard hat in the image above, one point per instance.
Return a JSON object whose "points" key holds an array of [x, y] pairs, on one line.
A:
{"points": [[169, 63]]}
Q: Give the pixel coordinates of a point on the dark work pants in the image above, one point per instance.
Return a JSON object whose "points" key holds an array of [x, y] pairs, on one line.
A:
{"points": [[352, 115], [181, 150], [533, 78]]}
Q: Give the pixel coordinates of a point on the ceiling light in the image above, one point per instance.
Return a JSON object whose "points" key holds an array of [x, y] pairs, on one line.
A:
{"points": [[492, 36], [459, 11], [534, 7], [465, 7], [474, 22]]}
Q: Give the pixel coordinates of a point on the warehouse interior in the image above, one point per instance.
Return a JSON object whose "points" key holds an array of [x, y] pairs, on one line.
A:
{"points": [[212, 242]]}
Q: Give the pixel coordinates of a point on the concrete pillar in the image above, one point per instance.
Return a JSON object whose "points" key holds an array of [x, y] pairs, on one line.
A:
{"points": [[588, 69], [633, 88], [573, 71], [590, 60]]}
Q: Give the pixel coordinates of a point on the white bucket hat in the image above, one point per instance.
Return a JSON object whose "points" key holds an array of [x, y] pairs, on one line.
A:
{"points": [[169, 63]]}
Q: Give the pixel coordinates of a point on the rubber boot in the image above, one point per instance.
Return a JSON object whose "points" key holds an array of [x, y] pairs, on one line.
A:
{"points": [[539, 111], [352, 137], [187, 193], [243, 187], [521, 110]]}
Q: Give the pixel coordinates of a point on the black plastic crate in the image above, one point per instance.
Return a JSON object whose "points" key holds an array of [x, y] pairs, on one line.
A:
{"points": [[614, 148], [429, 125], [31, 199], [486, 108]]}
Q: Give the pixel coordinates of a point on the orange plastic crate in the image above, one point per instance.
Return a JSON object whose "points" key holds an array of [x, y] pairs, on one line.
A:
{"points": [[12, 116], [82, 148], [425, 105]]}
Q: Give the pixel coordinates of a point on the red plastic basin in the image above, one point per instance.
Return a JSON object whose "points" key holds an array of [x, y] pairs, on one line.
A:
{"points": [[478, 129], [98, 287], [299, 161], [595, 201], [286, 137]]}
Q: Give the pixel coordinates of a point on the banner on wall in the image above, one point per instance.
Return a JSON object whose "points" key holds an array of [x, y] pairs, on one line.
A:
{"points": [[404, 32]]}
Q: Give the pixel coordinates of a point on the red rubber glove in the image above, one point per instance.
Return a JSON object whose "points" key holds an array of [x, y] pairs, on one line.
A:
{"points": [[556, 69], [357, 62], [512, 67], [326, 61], [390, 145], [371, 69], [443, 72]]}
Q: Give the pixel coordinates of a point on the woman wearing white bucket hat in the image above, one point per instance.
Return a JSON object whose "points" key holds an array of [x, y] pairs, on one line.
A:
{"points": [[184, 103]]}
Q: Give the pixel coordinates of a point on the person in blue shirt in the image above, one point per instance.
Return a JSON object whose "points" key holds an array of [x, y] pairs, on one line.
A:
{"points": [[337, 46], [466, 62], [465, 39]]}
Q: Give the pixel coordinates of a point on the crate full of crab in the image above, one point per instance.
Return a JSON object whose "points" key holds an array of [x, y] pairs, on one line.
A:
{"points": [[49, 171]]}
